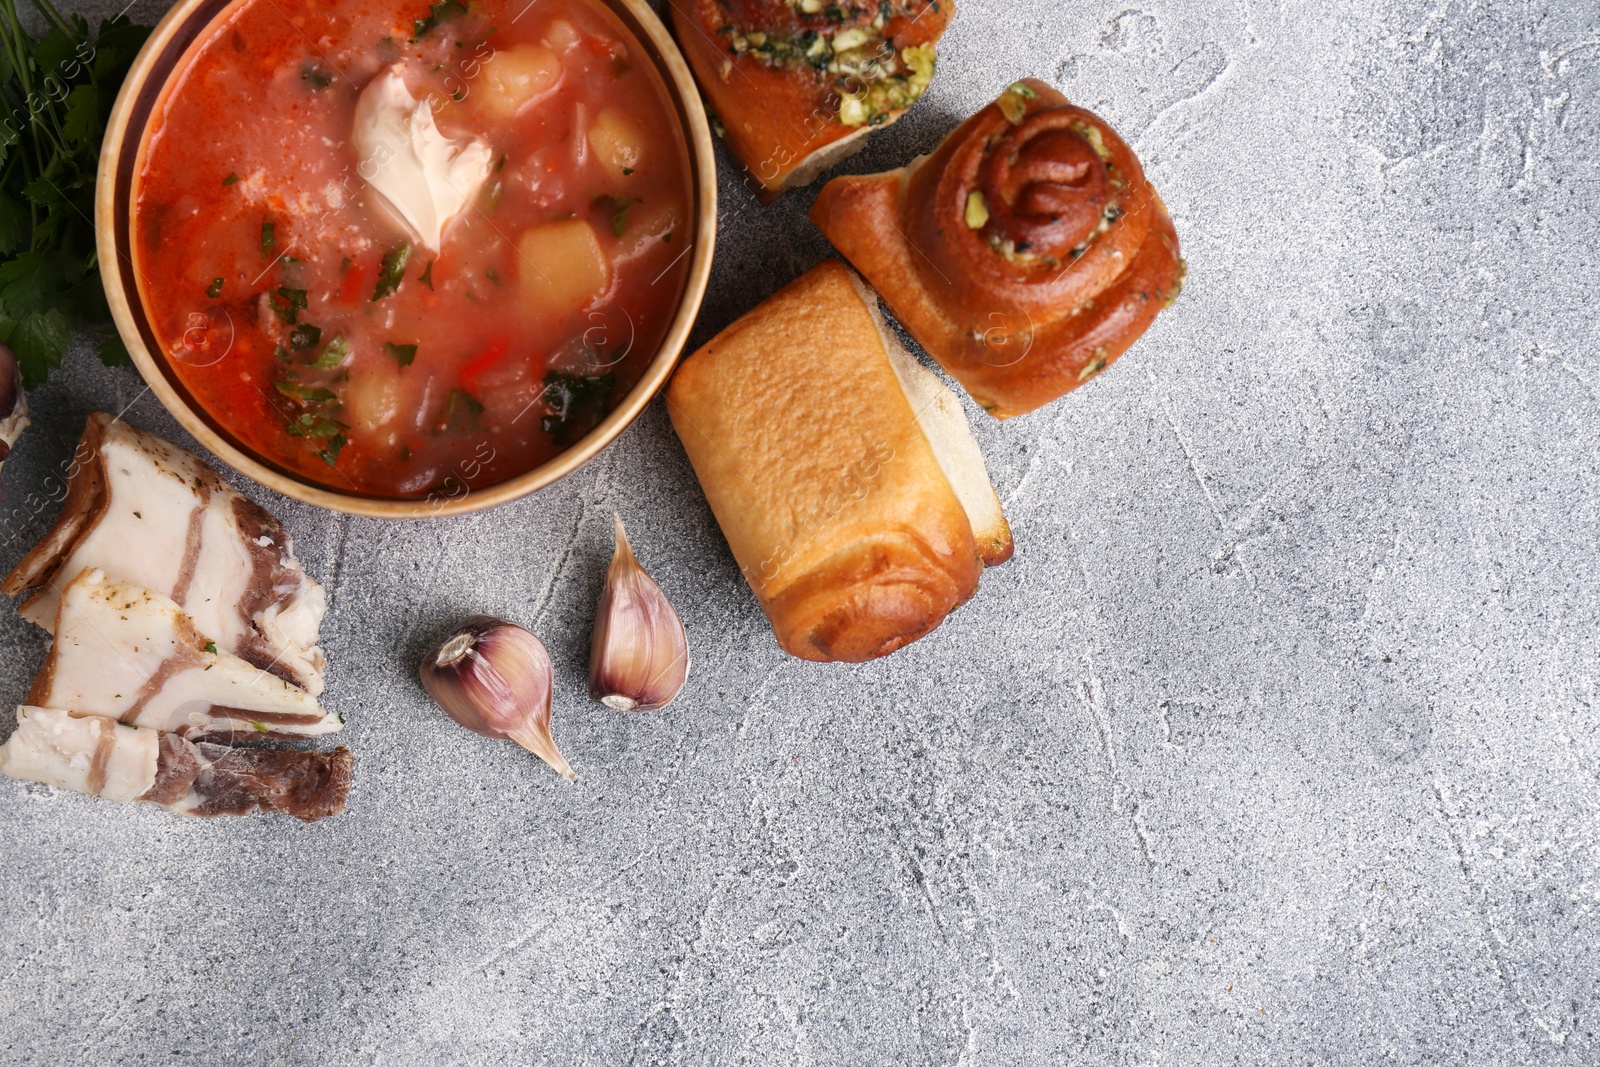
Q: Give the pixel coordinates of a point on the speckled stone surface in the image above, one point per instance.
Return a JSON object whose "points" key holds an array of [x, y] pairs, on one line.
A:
{"points": [[1275, 744]]}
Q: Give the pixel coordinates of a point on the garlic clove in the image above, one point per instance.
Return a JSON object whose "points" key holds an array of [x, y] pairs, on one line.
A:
{"points": [[13, 402], [639, 655], [496, 679]]}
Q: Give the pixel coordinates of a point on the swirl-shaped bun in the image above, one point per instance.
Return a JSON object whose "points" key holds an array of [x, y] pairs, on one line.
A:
{"points": [[1025, 254]]}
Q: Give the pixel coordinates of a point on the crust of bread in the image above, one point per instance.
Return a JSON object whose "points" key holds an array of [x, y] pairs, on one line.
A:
{"points": [[774, 120], [945, 425], [831, 497], [821, 160]]}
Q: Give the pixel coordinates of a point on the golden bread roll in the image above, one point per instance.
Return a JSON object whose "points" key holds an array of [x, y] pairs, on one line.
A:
{"points": [[850, 512], [1025, 254]]}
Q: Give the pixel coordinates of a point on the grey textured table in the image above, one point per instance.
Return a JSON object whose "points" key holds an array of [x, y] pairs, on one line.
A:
{"points": [[1275, 744]]}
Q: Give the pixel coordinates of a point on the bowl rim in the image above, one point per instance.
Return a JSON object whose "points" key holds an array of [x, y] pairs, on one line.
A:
{"points": [[179, 30]]}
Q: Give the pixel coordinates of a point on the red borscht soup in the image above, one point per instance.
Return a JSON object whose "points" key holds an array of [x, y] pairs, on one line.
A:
{"points": [[393, 247]]}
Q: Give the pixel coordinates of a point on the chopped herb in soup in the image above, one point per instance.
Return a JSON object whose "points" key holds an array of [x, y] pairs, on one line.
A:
{"points": [[396, 246]]}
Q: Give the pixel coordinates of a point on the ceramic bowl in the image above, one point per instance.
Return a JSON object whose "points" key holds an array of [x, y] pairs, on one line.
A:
{"points": [[128, 131]]}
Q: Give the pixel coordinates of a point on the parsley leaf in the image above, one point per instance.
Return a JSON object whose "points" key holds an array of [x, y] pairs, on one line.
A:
{"points": [[333, 354], [112, 352], [14, 220], [443, 11], [304, 335], [312, 425], [404, 355], [58, 87], [308, 393], [294, 302], [40, 295], [577, 403], [330, 451], [391, 271], [39, 339], [81, 121], [617, 208], [461, 414]]}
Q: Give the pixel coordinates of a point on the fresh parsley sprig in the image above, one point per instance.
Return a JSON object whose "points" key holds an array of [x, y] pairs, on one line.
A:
{"points": [[56, 92]]}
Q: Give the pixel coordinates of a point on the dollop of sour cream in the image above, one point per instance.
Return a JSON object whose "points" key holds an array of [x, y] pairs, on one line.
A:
{"points": [[425, 177]]}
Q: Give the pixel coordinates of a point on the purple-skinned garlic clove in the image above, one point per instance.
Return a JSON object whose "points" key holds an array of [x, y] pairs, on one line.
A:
{"points": [[639, 654], [496, 679]]}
